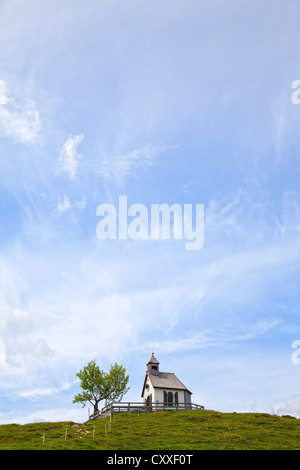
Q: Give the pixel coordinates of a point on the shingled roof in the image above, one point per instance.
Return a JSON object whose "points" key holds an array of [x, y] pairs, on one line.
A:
{"points": [[165, 380]]}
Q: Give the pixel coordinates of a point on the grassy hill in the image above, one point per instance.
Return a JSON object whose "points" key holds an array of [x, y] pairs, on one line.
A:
{"points": [[182, 430]]}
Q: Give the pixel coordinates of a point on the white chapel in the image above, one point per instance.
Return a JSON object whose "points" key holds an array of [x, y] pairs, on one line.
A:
{"points": [[163, 387]]}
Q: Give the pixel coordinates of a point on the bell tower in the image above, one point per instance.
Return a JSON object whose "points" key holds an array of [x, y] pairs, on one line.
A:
{"points": [[153, 365]]}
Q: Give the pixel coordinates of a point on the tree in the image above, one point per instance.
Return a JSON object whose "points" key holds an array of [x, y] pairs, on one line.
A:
{"points": [[98, 385]]}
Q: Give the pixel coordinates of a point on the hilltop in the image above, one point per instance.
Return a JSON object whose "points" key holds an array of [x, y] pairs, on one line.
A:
{"points": [[182, 430]]}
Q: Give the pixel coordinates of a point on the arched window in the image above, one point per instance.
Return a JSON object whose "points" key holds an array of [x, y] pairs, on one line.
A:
{"points": [[170, 399]]}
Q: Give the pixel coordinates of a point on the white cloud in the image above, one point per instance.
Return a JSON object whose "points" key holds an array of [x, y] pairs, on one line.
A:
{"points": [[290, 406], [19, 118], [259, 329], [24, 352], [78, 415], [202, 339], [69, 157], [44, 390], [63, 204], [127, 164]]}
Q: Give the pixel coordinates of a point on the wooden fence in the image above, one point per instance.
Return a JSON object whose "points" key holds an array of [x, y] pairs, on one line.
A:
{"points": [[138, 407]]}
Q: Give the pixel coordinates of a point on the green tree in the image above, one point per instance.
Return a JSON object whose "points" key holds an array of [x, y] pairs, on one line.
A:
{"points": [[98, 385]]}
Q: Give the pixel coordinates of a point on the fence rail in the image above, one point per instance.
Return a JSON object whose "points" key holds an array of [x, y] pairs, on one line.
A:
{"points": [[138, 407]]}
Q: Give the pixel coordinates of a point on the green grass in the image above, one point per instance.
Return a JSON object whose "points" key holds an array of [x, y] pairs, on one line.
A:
{"points": [[162, 430]]}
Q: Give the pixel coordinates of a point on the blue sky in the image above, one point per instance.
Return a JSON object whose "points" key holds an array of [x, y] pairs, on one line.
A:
{"points": [[177, 101]]}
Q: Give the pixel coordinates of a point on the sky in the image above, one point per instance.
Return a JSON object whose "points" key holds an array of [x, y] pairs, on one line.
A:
{"points": [[174, 102]]}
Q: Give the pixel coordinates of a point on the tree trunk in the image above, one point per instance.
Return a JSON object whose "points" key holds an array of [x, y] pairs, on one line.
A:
{"points": [[96, 408]]}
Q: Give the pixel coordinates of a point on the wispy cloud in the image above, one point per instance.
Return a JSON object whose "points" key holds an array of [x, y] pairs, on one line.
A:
{"points": [[196, 341], [127, 164], [64, 204], [259, 329], [69, 157], [210, 338], [19, 118]]}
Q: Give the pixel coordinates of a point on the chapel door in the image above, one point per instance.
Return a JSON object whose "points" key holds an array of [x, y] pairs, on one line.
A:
{"points": [[149, 401]]}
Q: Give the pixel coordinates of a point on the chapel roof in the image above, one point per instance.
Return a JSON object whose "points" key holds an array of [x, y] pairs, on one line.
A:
{"points": [[166, 380]]}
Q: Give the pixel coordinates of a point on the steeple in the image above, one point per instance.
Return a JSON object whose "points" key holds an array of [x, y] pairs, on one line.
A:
{"points": [[153, 365]]}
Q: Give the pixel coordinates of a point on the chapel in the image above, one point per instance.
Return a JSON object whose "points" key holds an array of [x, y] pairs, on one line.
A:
{"points": [[163, 387]]}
